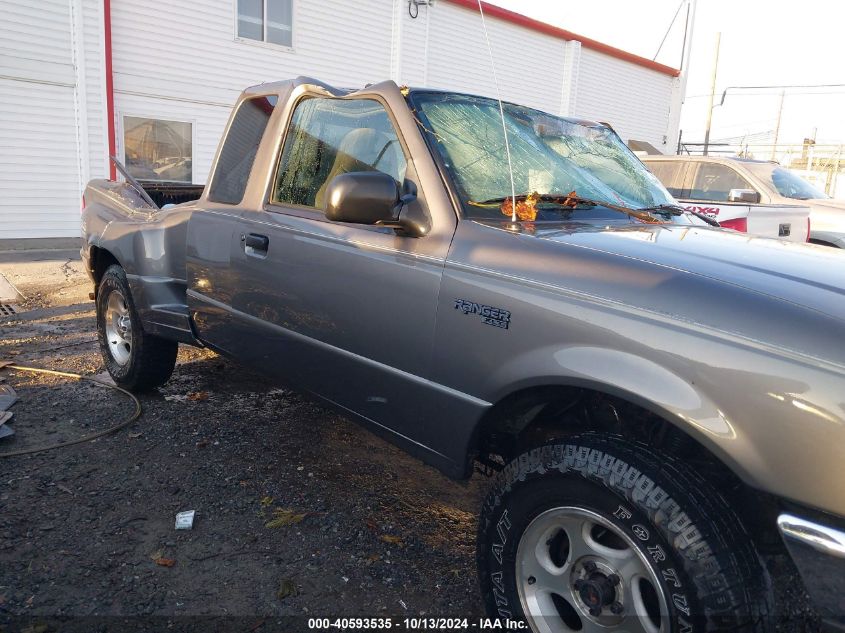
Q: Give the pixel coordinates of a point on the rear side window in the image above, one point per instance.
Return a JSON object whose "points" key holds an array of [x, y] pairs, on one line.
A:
{"points": [[329, 137], [239, 149], [670, 173], [713, 182]]}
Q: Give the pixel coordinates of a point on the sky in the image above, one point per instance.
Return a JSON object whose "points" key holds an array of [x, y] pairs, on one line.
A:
{"points": [[763, 42]]}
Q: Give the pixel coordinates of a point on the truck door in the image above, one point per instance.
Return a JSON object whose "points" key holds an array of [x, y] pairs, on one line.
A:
{"points": [[709, 191], [344, 310], [213, 233]]}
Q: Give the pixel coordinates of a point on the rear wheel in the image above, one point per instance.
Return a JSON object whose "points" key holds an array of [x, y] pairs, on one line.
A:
{"points": [[601, 534], [134, 359]]}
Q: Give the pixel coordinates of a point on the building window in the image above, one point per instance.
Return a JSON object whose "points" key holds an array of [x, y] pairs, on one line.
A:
{"points": [[266, 21], [155, 149]]}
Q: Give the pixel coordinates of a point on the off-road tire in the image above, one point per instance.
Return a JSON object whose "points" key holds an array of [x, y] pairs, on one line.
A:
{"points": [[151, 359], [711, 574]]}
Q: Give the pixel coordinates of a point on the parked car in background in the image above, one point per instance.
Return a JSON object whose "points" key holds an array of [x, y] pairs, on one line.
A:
{"points": [[733, 192], [780, 185]]}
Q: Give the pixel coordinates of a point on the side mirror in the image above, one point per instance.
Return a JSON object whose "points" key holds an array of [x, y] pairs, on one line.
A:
{"points": [[744, 195], [373, 197]]}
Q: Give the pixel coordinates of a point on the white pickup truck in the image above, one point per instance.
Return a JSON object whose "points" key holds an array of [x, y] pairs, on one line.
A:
{"points": [[724, 189]]}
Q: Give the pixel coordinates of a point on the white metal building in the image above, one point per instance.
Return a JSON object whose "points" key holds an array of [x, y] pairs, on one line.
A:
{"points": [[82, 78]]}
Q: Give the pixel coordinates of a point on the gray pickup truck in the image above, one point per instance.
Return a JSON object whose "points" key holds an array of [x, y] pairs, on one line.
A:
{"points": [[660, 401]]}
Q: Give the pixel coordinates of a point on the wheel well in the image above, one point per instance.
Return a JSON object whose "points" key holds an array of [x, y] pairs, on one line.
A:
{"points": [[101, 259], [536, 415]]}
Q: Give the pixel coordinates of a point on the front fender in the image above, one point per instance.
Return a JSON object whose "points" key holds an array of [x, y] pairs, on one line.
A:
{"points": [[635, 379], [776, 422]]}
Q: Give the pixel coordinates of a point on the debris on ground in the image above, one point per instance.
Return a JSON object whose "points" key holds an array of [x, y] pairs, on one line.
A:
{"points": [[286, 588], [5, 431], [391, 539], [185, 520], [162, 561], [283, 517], [8, 397]]}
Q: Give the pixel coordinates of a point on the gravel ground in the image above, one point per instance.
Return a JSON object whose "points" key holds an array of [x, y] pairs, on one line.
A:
{"points": [[365, 530]]}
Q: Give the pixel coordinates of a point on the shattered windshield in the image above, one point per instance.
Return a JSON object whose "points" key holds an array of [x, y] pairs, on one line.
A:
{"points": [[550, 156]]}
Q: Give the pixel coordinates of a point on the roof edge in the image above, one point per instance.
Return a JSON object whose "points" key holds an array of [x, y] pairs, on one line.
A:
{"points": [[543, 27]]}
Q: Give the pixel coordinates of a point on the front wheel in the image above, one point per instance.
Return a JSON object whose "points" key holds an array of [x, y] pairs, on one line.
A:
{"points": [[134, 359], [602, 534]]}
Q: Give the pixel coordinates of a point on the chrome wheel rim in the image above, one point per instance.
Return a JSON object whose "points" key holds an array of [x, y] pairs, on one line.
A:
{"points": [[576, 571], [118, 328]]}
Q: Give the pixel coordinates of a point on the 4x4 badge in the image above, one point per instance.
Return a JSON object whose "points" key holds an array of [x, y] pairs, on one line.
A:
{"points": [[497, 317]]}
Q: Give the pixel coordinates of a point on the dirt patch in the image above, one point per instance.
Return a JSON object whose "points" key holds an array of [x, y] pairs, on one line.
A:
{"points": [[81, 528]]}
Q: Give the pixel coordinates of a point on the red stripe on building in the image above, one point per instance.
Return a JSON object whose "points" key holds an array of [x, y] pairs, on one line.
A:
{"points": [[542, 27], [109, 87]]}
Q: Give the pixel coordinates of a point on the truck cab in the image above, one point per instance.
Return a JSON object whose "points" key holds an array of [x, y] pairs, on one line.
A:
{"points": [[729, 191]]}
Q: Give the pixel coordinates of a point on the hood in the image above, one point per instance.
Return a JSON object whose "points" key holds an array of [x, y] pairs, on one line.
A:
{"points": [[809, 275], [788, 296]]}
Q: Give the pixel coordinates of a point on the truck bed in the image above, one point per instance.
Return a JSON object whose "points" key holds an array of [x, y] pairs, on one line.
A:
{"points": [[789, 222], [163, 193]]}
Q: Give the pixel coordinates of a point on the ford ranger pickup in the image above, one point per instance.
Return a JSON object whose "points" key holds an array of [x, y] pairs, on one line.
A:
{"points": [[659, 402]]}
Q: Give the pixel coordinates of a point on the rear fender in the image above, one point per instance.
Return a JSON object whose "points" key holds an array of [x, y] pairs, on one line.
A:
{"points": [[149, 244]]}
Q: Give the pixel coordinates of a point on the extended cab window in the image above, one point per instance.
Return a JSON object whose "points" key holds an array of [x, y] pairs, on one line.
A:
{"points": [[713, 182], [328, 137], [239, 149]]}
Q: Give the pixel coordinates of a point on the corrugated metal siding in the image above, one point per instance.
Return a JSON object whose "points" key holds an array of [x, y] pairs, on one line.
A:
{"points": [[39, 179], [529, 65], [37, 32], [182, 61], [633, 99], [95, 88], [166, 52], [39, 167]]}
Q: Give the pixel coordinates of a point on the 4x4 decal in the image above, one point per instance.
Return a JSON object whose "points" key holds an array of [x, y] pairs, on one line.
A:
{"points": [[496, 317]]}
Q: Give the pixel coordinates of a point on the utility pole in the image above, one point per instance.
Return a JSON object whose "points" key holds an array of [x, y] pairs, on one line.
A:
{"points": [[712, 94], [777, 126], [686, 49]]}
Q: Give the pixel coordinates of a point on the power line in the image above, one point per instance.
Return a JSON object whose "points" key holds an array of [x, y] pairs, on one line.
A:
{"points": [[671, 24], [770, 94]]}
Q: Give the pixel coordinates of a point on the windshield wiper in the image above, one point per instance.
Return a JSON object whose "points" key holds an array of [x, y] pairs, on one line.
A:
{"points": [[526, 205], [674, 209]]}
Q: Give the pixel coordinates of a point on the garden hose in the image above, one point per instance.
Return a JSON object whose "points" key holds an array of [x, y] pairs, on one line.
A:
{"points": [[86, 438]]}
